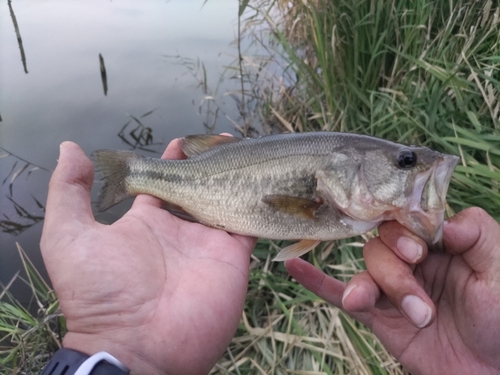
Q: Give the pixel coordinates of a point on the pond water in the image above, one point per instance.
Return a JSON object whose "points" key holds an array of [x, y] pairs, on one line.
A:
{"points": [[52, 90]]}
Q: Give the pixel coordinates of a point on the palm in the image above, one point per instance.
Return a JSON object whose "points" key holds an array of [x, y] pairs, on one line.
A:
{"points": [[194, 288], [461, 327], [148, 272]]}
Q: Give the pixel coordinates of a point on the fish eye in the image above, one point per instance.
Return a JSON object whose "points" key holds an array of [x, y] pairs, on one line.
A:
{"points": [[407, 159]]}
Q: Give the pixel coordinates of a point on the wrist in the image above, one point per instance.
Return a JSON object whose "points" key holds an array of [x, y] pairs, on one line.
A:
{"points": [[90, 344], [72, 362]]}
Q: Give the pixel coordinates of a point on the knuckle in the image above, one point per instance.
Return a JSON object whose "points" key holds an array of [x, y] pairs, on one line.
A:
{"points": [[475, 212], [372, 245]]}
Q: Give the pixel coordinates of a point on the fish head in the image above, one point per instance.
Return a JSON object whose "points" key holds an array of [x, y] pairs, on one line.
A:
{"points": [[410, 183]]}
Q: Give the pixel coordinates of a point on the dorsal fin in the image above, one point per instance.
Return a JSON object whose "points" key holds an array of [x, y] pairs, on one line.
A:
{"points": [[196, 144]]}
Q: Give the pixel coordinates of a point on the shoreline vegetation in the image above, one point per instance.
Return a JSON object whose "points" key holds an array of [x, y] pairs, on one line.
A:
{"points": [[412, 71]]}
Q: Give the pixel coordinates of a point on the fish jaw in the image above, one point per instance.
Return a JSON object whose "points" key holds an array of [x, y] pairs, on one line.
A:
{"points": [[424, 215], [426, 225]]}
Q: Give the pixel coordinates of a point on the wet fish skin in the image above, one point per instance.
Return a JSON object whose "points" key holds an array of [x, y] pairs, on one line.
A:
{"points": [[314, 186]]}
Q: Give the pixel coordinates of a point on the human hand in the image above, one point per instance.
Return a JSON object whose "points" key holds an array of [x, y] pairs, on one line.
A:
{"points": [[454, 295], [162, 295]]}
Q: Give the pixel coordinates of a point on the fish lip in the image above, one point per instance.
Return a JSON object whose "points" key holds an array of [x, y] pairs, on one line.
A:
{"points": [[444, 171], [438, 179], [432, 185], [442, 174], [441, 178]]}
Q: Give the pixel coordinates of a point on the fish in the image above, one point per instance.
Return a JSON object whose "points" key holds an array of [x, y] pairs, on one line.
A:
{"points": [[310, 187]]}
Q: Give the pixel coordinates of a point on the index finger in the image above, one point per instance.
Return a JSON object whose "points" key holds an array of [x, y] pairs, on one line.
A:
{"points": [[396, 279], [405, 244]]}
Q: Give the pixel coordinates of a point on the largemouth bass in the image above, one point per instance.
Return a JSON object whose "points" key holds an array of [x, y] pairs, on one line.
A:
{"points": [[309, 186]]}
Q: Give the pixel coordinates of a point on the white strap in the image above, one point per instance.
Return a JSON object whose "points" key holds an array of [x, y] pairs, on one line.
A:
{"points": [[88, 365]]}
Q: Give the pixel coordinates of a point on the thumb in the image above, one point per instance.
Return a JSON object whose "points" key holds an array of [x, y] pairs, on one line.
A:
{"points": [[68, 203], [476, 236]]}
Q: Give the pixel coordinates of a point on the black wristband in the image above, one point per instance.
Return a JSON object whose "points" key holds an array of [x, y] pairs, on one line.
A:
{"points": [[67, 362]]}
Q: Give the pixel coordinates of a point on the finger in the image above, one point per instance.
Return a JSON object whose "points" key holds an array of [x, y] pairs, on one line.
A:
{"points": [[174, 151], [313, 279], [361, 293], [406, 245], [395, 278], [475, 235], [68, 201], [324, 286]]}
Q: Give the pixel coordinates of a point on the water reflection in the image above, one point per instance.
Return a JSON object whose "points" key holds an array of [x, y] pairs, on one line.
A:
{"points": [[23, 220], [18, 35], [103, 75], [147, 101], [140, 136], [23, 216]]}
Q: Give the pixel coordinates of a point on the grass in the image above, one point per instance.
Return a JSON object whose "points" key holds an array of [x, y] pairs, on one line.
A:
{"points": [[416, 72], [286, 329], [27, 338], [421, 72]]}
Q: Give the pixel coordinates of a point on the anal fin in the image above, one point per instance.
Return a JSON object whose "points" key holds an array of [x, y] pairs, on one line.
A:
{"points": [[296, 250], [178, 211]]}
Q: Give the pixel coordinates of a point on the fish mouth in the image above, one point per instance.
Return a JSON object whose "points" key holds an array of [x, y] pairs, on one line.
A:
{"points": [[425, 215]]}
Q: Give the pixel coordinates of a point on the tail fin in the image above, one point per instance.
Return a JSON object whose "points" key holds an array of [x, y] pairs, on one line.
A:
{"points": [[114, 168]]}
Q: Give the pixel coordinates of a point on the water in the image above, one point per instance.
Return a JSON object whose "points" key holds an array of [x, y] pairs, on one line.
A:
{"points": [[57, 93]]}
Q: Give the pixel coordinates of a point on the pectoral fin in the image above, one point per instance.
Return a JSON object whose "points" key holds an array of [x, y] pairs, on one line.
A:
{"points": [[296, 250], [196, 144], [302, 207]]}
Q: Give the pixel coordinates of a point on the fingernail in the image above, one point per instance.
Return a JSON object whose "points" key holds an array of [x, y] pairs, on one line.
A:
{"points": [[61, 150], [347, 291], [410, 249], [417, 310]]}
